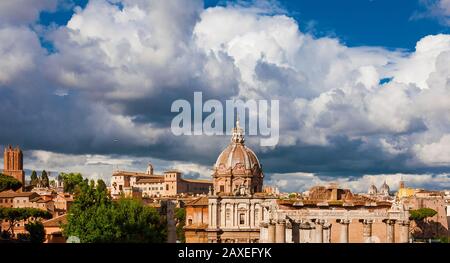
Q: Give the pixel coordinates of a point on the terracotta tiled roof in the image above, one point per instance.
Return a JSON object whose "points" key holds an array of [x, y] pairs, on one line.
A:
{"points": [[198, 181], [172, 171], [10, 193], [201, 201], [150, 180], [136, 174], [56, 221]]}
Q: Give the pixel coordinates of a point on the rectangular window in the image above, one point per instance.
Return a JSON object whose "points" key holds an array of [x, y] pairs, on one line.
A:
{"points": [[241, 219], [222, 188]]}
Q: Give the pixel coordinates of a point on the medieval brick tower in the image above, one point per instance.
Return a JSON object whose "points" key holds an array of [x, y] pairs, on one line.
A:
{"points": [[13, 165]]}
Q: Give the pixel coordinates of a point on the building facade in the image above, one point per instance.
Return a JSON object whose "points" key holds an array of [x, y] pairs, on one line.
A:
{"points": [[148, 184]]}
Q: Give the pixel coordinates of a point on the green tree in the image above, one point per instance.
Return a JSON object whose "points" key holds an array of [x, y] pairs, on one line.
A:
{"points": [[421, 214], [101, 186], [9, 183], [15, 215], [37, 232], [94, 217], [44, 179], [71, 181], [34, 179], [180, 217]]}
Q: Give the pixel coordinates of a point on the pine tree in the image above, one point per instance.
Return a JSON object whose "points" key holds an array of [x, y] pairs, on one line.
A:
{"points": [[44, 179], [34, 179]]}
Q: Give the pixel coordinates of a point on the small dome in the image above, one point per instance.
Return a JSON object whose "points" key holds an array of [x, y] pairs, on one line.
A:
{"points": [[385, 189], [373, 190]]}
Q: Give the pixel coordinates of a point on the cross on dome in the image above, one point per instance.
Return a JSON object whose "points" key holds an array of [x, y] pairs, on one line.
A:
{"points": [[238, 133]]}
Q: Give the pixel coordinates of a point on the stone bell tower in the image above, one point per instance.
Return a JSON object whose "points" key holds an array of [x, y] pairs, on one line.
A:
{"points": [[13, 164]]}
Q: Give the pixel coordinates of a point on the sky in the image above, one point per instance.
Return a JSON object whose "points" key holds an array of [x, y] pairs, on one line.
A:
{"points": [[364, 87]]}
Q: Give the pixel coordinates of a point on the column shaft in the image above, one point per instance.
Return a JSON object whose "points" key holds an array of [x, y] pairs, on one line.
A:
{"points": [[280, 230], [344, 231], [271, 233]]}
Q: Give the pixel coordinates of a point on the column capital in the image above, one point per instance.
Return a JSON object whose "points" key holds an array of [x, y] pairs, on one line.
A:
{"points": [[343, 221], [281, 221], [319, 221], [403, 222], [366, 221], [389, 221]]}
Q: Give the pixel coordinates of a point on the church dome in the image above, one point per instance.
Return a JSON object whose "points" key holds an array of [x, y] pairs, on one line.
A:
{"points": [[237, 167], [235, 155], [385, 189], [373, 190]]}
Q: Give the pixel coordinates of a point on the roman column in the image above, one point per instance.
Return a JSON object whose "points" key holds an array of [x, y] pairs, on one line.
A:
{"points": [[327, 232], [367, 230], [271, 232], [263, 233], [319, 230], [404, 231], [222, 214], [344, 230], [210, 214], [251, 223], [280, 232], [390, 230], [289, 231], [295, 231]]}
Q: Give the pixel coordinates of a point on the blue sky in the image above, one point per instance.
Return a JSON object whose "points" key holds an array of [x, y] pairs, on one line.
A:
{"points": [[386, 23], [358, 100]]}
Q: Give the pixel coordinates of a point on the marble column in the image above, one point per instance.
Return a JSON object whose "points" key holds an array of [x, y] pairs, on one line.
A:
{"points": [[251, 222], [213, 215], [263, 233], [327, 233], [390, 230], [232, 216], [344, 230], [280, 232], [210, 214], [222, 210], [319, 230], [404, 231], [367, 230], [271, 233], [296, 232], [289, 232]]}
